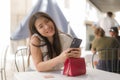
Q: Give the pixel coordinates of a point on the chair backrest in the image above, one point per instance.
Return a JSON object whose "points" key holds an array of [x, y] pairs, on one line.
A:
{"points": [[21, 59], [3, 55], [109, 59]]}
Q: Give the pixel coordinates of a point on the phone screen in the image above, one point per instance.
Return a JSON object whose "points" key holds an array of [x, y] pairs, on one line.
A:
{"points": [[76, 43]]}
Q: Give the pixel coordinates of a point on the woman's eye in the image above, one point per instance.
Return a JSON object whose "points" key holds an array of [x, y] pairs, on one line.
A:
{"points": [[47, 20], [40, 26]]}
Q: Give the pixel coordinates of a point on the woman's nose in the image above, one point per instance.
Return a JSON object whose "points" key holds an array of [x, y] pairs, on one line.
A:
{"points": [[46, 26]]}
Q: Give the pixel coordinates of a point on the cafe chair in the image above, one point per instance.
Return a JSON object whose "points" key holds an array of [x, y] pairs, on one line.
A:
{"points": [[22, 59], [111, 61], [3, 56]]}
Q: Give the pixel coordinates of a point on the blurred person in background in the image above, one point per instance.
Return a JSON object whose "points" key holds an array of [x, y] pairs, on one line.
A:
{"points": [[103, 42], [107, 22], [114, 33]]}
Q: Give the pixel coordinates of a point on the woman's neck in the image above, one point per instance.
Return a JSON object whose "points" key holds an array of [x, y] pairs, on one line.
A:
{"points": [[50, 40]]}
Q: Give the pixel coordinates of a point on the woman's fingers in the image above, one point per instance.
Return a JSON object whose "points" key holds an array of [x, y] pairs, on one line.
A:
{"points": [[70, 52], [72, 49], [74, 53]]}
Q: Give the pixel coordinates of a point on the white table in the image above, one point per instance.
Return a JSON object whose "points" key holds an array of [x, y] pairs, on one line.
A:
{"points": [[92, 74]]}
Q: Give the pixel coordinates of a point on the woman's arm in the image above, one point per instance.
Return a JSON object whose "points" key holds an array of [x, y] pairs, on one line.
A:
{"points": [[93, 49], [36, 54], [49, 64]]}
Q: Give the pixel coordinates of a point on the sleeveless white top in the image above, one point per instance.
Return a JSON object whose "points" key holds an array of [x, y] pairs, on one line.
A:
{"points": [[65, 41]]}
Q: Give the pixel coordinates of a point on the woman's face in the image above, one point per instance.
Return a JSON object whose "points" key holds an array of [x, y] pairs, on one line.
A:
{"points": [[45, 27]]}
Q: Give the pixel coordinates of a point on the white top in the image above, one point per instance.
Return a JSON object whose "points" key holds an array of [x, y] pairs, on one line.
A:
{"points": [[106, 23], [65, 43]]}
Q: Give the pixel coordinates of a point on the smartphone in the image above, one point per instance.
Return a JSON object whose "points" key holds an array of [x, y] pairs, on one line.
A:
{"points": [[76, 43]]}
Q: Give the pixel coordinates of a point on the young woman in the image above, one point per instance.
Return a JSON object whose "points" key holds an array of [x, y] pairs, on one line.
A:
{"points": [[49, 48]]}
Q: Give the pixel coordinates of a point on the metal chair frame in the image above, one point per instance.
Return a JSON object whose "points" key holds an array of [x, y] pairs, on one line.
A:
{"points": [[23, 54], [3, 63]]}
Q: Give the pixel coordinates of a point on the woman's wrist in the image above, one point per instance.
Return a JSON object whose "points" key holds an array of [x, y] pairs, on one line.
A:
{"points": [[60, 59]]}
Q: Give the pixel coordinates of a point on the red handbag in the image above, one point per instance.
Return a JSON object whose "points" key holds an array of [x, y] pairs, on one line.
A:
{"points": [[74, 67]]}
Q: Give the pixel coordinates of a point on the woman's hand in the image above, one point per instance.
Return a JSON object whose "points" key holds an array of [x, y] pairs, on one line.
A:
{"points": [[75, 52], [70, 52]]}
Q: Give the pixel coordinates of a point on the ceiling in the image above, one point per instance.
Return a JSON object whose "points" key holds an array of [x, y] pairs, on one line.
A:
{"points": [[107, 5]]}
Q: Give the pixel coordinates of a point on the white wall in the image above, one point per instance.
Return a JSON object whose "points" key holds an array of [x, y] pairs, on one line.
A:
{"points": [[74, 11], [4, 22]]}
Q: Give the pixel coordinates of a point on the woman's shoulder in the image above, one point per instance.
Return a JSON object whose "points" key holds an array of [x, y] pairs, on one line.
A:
{"points": [[65, 40], [65, 35]]}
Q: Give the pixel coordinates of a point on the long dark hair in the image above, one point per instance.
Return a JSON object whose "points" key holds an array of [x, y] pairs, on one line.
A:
{"points": [[53, 49]]}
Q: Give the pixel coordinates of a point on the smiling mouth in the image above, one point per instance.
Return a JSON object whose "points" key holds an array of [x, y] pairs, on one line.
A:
{"points": [[50, 30]]}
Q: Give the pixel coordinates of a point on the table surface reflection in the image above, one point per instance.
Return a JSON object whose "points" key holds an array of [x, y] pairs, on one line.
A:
{"points": [[91, 74]]}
